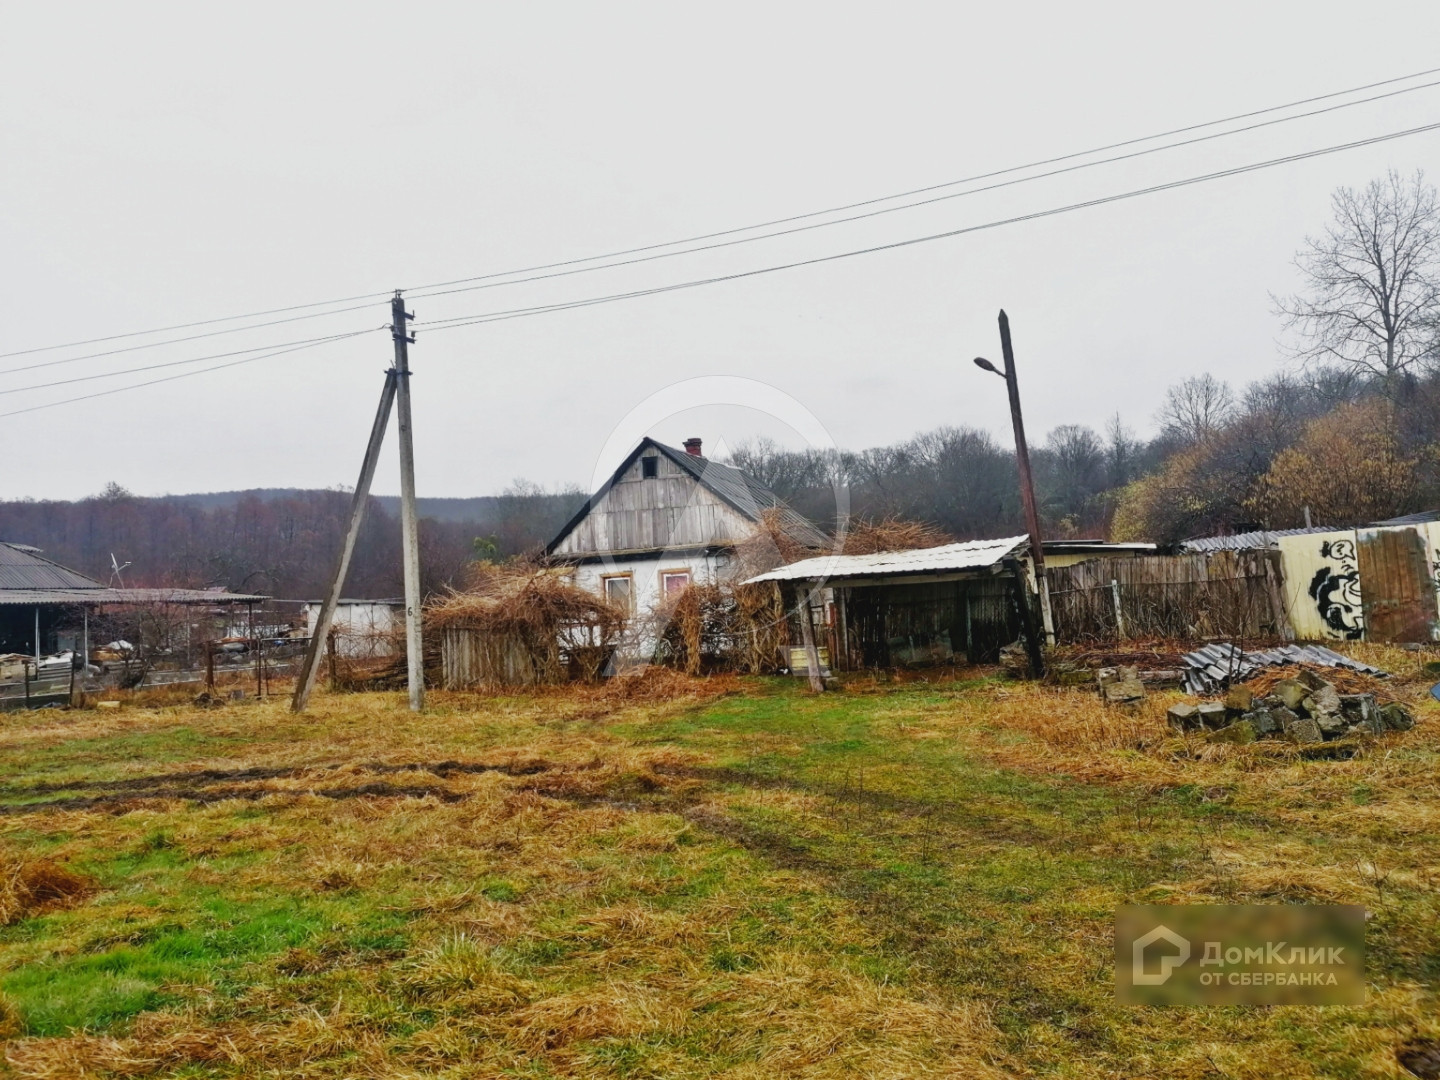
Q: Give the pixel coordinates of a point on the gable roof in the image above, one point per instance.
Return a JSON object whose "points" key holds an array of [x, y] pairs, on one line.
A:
{"points": [[737, 489]]}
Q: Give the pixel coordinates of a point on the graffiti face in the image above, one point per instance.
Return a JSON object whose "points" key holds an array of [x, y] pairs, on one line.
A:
{"points": [[1336, 591]]}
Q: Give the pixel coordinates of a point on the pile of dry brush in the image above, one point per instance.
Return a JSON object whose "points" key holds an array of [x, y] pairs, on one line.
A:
{"points": [[534, 624]]}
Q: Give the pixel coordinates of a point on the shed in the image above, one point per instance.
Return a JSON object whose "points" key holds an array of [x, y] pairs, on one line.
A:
{"points": [[913, 607]]}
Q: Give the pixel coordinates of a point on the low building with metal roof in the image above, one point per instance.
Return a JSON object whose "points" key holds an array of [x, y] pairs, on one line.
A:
{"points": [[42, 603]]}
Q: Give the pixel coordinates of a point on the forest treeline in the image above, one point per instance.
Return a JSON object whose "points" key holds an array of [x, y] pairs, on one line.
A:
{"points": [[279, 543], [1345, 431]]}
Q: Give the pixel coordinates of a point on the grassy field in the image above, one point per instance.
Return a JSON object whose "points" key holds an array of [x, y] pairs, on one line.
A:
{"points": [[681, 878]]}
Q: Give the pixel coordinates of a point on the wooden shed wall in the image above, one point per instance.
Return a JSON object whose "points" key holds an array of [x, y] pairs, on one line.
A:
{"points": [[471, 657], [890, 625]]}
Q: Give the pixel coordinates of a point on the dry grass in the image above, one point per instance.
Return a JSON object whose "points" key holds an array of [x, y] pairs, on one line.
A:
{"points": [[665, 876], [29, 886]]}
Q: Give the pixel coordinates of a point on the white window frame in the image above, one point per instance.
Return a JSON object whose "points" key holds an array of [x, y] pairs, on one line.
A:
{"points": [[627, 577]]}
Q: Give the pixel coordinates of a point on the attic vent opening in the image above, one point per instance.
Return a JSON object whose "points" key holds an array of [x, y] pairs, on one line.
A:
{"points": [[649, 468]]}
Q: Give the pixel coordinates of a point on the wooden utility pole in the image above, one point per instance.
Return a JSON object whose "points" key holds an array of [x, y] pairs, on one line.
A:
{"points": [[409, 529], [321, 630], [1027, 484]]}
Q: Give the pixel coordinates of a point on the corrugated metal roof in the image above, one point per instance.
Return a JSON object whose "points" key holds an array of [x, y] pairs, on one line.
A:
{"points": [[945, 559], [102, 595], [1249, 541], [22, 568], [1424, 517]]}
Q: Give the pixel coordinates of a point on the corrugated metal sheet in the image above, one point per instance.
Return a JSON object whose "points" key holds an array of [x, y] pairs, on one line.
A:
{"points": [[1250, 541], [1210, 669], [22, 568], [948, 558], [1322, 586], [1424, 517], [1396, 584], [102, 595]]}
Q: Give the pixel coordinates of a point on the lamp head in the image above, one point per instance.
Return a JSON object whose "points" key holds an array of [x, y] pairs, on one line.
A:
{"points": [[985, 365]]}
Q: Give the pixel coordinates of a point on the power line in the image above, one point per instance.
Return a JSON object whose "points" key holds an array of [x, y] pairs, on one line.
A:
{"points": [[179, 363], [955, 183], [173, 341], [911, 205], [201, 322], [187, 374], [705, 236], [500, 316]]}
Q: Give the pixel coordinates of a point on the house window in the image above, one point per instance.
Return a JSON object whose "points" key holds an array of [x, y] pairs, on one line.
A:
{"points": [[673, 582], [617, 590], [649, 468]]}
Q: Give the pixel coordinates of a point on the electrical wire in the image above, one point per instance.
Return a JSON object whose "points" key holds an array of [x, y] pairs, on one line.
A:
{"points": [[179, 363], [906, 206], [187, 374], [176, 341], [203, 322], [712, 235], [499, 316]]}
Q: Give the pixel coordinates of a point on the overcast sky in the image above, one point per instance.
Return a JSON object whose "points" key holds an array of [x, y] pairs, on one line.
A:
{"points": [[166, 164]]}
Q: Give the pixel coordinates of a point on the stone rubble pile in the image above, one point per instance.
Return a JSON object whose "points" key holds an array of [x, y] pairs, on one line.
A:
{"points": [[1305, 709]]}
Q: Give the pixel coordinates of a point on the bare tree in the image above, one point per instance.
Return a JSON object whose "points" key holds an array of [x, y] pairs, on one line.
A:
{"points": [[1373, 280], [1122, 452], [1197, 408]]}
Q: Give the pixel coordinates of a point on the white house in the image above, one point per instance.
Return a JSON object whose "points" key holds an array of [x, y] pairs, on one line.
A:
{"points": [[665, 519], [363, 629]]}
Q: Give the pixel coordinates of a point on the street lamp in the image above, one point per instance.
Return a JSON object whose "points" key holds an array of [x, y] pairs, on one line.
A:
{"points": [[1027, 485]]}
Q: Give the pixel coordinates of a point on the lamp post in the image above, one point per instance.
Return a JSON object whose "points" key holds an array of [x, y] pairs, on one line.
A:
{"points": [[1027, 485]]}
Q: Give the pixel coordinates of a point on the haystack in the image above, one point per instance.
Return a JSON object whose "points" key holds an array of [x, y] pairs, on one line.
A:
{"points": [[519, 624]]}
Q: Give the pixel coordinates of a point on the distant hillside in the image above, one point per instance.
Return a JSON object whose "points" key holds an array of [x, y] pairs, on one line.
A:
{"points": [[279, 541], [480, 509]]}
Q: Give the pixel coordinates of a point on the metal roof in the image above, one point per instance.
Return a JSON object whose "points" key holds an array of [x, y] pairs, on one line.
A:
{"points": [[22, 568], [27, 578], [946, 559], [1424, 517], [1248, 541], [102, 595]]}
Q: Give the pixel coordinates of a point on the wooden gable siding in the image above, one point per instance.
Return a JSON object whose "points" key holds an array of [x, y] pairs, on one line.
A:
{"points": [[669, 510]]}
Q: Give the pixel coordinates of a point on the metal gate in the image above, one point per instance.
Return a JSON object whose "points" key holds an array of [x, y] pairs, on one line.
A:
{"points": [[1396, 589]]}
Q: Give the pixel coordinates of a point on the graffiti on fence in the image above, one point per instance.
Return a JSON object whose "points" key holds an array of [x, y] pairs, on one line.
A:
{"points": [[1335, 588]]}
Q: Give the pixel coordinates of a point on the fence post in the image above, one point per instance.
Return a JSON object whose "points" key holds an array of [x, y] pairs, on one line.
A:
{"points": [[1119, 615]]}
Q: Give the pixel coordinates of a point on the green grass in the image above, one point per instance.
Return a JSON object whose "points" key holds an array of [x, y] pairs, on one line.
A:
{"points": [[892, 883]]}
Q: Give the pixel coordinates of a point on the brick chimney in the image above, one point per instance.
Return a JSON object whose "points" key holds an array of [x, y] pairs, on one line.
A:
{"points": [[692, 447]]}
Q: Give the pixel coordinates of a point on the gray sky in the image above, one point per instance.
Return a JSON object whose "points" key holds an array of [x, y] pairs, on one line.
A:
{"points": [[163, 164]]}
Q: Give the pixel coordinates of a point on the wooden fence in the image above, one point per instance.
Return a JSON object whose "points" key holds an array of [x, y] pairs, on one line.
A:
{"points": [[1226, 594]]}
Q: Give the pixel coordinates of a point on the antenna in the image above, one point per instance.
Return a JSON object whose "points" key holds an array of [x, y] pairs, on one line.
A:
{"points": [[115, 568]]}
